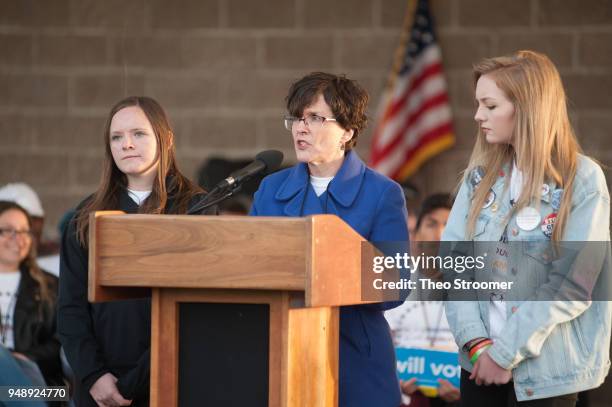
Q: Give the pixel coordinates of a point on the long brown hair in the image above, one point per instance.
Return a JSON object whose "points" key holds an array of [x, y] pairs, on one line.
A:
{"points": [[29, 264], [545, 145], [169, 181]]}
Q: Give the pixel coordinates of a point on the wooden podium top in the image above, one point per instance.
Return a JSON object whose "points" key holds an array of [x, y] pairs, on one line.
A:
{"points": [[319, 255]]}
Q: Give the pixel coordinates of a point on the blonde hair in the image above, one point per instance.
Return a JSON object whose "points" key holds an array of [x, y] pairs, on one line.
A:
{"points": [[544, 142]]}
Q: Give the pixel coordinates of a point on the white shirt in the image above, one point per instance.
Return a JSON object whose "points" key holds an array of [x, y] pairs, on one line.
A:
{"points": [[9, 284], [516, 183], [421, 324], [319, 184], [497, 308], [138, 196]]}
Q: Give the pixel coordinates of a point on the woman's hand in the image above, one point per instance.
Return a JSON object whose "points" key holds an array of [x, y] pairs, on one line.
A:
{"points": [[104, 391], [447, 391], [487, 372], [409, 387]]}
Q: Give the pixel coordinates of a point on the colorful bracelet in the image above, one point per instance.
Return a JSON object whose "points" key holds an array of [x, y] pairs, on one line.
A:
{"points": [[480, 345], [476, 355], [470, 344]]}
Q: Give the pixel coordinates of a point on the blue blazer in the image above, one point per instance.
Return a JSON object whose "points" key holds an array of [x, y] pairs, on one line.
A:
{"points": [[374, 206]]}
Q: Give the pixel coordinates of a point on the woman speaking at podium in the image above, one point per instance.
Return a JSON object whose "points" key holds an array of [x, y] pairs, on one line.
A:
{"points": [[326, 116], [108, 344]]}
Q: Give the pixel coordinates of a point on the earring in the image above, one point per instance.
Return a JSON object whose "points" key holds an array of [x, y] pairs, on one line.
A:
{"points": [[342, 146]]}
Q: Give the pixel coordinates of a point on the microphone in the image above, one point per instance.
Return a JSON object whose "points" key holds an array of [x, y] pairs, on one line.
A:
{"points": [[267, 161]]}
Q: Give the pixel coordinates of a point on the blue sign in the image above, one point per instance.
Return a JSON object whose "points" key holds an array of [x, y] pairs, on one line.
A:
{"points": [[428, 366]]}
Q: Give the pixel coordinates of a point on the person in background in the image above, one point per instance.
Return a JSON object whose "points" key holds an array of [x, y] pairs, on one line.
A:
{"points": [[27, 300], [23, 195], [423, 324], [412, 196], [12, 376]]}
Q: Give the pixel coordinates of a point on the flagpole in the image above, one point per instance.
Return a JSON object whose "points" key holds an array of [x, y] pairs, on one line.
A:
{"points": [[400, 51]]}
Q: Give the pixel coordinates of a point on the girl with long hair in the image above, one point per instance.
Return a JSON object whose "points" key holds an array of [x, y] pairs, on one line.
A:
{"points": [[527, 181], [107, 344]]}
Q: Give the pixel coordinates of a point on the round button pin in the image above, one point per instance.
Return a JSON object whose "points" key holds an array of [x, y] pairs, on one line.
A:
{"points": [[528, 218], [476, 175], [555, 200], [489, 200], [548, 224]]}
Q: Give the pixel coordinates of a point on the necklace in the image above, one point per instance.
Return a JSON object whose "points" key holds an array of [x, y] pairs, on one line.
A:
{"points": [[432, 336], [5, 317]]}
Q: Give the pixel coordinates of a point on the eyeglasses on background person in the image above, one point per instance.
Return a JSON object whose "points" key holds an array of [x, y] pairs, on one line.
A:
{"points": [[12, 233]]}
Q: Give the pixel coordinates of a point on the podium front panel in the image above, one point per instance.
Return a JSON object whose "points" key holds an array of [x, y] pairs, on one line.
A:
{"points": [[218, 347], [223, 354]]}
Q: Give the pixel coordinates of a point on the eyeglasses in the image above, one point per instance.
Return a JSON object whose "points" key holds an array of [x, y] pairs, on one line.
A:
{"points": [[313, 122], [12, 233]]}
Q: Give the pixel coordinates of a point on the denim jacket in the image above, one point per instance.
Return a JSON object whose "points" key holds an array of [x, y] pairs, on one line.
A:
{"points": [[552, 347]]}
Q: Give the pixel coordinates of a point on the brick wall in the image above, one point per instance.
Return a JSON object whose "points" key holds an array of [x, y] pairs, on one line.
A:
{"points": [[222, 67]]}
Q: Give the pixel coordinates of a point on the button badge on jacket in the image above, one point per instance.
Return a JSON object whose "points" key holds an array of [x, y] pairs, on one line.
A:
{"points": [[528, 218]]}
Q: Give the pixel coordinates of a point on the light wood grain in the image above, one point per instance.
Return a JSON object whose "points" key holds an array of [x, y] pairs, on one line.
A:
{"points": [[96, 290], [164, 349], [312, 370], [200, 252], [319, 255], [288, 263], [335, 262]]}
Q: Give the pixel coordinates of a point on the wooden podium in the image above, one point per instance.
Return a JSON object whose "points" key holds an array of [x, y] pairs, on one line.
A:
{"points": [[244, 309]]}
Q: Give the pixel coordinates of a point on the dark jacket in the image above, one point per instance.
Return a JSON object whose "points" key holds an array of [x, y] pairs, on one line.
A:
{"points": [[104, 337], [34, 325], [374, 206]]}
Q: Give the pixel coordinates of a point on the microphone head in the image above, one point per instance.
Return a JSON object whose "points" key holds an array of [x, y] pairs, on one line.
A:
{"points": [[272, 159]]}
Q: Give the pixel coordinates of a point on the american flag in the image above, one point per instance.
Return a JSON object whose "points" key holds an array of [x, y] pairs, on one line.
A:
{"points": [[415, 120]]}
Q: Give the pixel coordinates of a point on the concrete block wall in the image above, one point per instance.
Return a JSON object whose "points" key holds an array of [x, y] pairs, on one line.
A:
{"points": [[222, 67], [577, 35]]}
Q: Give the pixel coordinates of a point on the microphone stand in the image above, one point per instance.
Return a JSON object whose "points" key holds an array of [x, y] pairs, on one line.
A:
{"points": [[205, 204]]}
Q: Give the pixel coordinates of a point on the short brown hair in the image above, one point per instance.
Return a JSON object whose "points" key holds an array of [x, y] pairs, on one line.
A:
{"points": [[346, 98]]}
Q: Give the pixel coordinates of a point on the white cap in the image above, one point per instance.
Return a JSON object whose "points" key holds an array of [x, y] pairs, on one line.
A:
{"points": [[24, 196]]}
